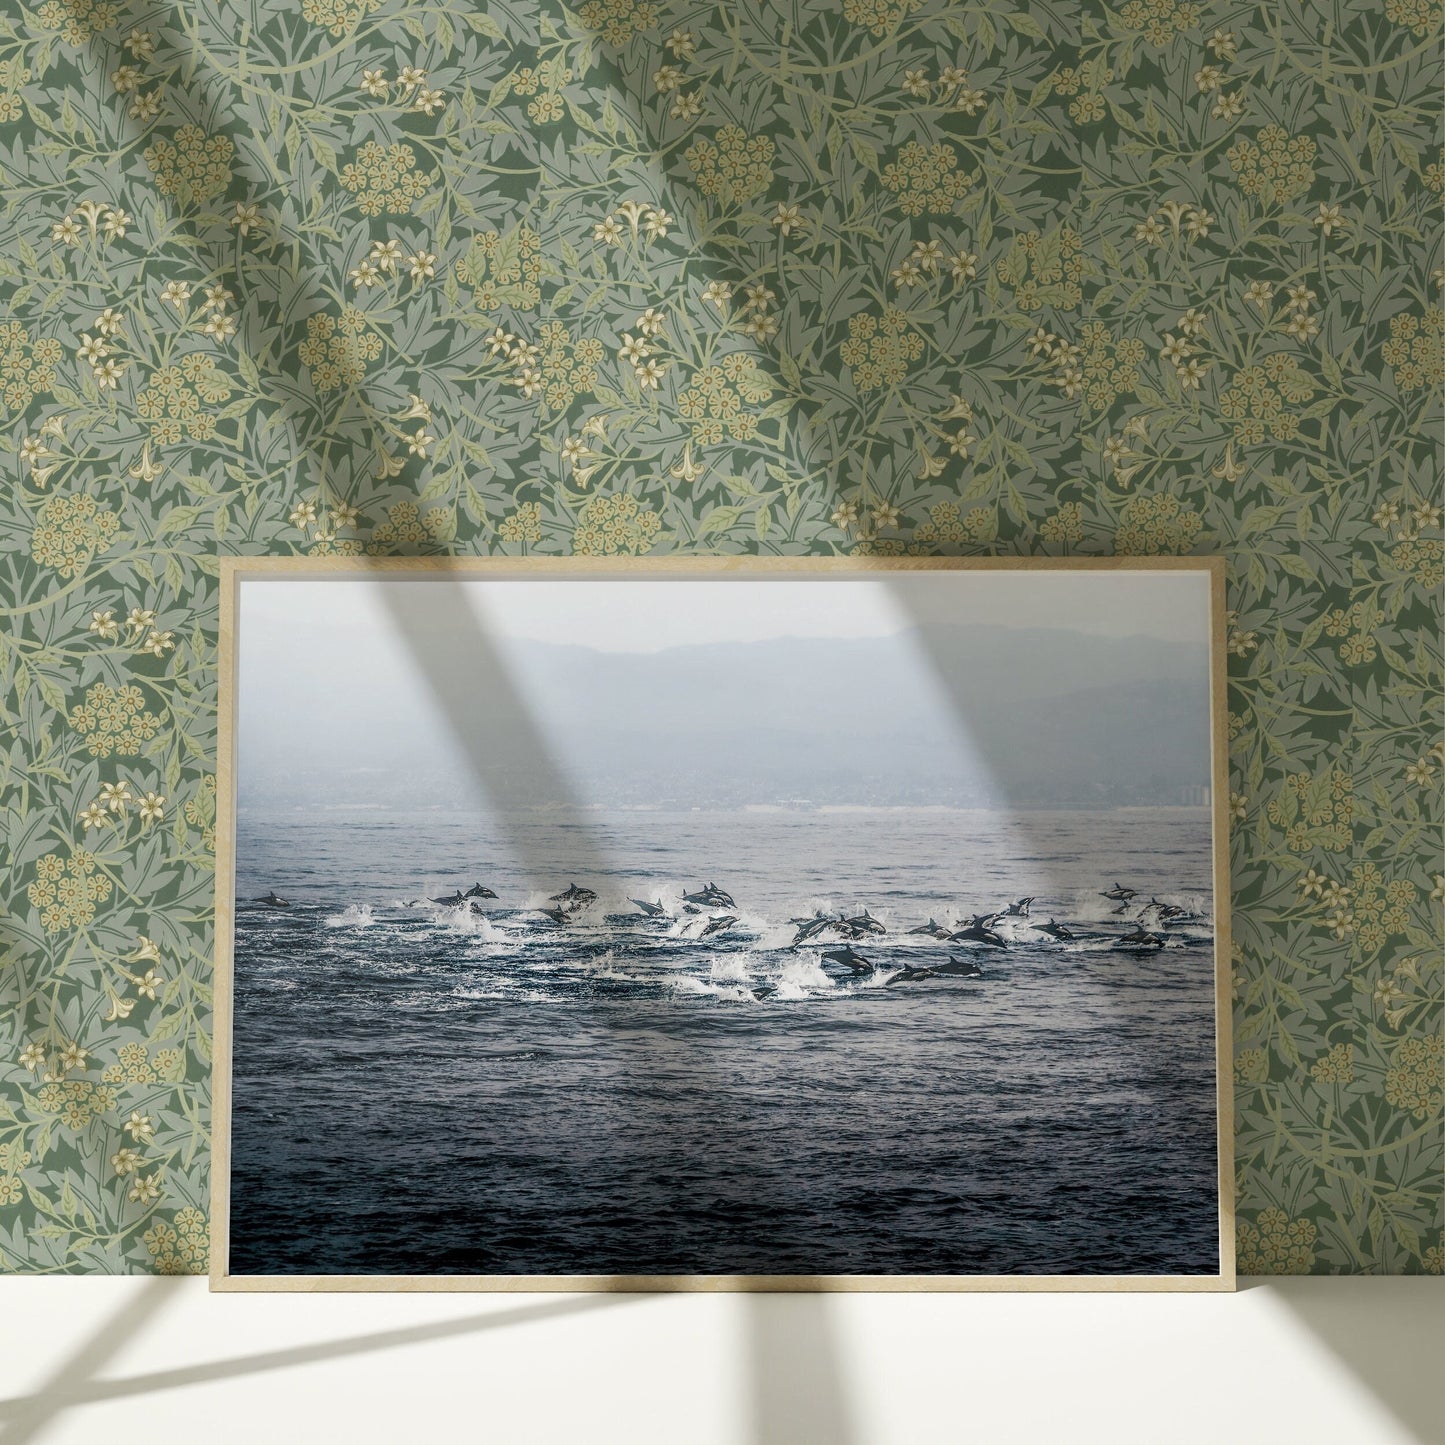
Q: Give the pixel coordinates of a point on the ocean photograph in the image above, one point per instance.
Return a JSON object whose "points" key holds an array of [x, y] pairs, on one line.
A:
{"points": [[749, 925]]}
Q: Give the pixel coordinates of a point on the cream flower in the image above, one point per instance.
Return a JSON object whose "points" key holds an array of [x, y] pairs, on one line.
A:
{"points": [[385, 255], [789, 218], [246, 217], [115, 796], [146, 1189], [717, 293], [632, 350]]}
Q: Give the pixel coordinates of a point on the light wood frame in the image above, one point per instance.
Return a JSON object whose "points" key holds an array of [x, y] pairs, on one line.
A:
{"points": [[233, 570]]}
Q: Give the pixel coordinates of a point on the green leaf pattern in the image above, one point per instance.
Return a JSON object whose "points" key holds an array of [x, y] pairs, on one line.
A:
{"points": [[878, 277]]}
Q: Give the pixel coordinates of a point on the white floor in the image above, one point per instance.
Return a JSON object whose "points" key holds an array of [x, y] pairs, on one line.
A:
{"points": [[147, 1360]]}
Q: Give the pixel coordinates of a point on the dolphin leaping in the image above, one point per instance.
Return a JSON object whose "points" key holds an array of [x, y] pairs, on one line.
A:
{"points": [[811, 927], [958, 968], [1142, 938], [980, 929], [931, 929], [1054, 930], [272, 901], [1118, 893], [860, 925], [574, 897], [719, 924], [907, 974], [1019, 909], [652, 910], [851, 959], [477, 891], [711, 897]]}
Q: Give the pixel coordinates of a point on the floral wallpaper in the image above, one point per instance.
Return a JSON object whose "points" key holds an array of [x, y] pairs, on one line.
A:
{"points": [[786, 276]]}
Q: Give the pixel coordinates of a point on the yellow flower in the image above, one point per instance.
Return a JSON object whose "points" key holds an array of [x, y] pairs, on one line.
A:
{"points": [[70, 531], [194, 167], [731, 167], [385, 178]]}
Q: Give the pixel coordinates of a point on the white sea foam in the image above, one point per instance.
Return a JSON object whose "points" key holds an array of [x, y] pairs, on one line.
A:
{"points": [[731, 968], [464, 921], [354, 915], [689, 984], [802, 976]]}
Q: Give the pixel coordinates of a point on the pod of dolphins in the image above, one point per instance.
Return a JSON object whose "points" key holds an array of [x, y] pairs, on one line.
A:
{"points": [[1149, 925]]}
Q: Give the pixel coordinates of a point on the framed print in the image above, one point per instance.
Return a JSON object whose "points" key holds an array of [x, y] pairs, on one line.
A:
{"points": [[722, 924]]}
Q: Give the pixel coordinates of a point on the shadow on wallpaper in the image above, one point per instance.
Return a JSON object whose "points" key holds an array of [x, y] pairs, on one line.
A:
{"points": [[897, 278]]}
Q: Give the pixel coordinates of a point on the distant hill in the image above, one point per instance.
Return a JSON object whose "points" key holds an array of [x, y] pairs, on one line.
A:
{"points": [[938, 714]]}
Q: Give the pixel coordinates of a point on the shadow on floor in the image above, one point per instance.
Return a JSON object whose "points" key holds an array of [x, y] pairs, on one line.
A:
{"points": [[1397, 1354], [74, 1382]]}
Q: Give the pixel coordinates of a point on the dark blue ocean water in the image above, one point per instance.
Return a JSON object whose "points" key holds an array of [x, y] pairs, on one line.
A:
{"points": [[420, 1089]]}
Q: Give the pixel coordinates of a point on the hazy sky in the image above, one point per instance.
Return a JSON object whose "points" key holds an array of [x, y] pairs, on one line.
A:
{"points": [[647, 615], [785, 679]]}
